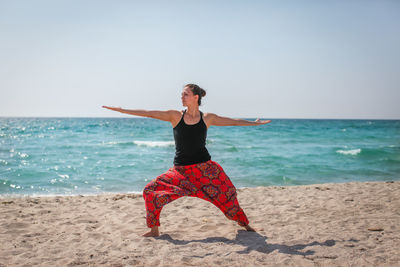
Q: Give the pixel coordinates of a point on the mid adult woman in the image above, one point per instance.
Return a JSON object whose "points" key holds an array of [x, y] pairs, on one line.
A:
{"points": [[194, 174]]}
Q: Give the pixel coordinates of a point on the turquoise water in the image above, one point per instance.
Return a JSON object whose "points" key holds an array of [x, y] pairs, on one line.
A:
{"points": [[70, 156]]}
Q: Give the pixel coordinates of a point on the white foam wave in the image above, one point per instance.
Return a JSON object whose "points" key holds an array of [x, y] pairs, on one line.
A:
{"points": [[154, 143], [64, 176], [22, 155], [349, 152], [111, 143]]}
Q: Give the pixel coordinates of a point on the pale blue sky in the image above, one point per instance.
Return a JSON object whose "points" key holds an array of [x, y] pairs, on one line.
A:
{"points": [[269, 59]]}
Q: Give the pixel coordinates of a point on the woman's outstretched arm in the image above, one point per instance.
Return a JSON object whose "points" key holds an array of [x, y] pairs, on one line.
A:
{"points": [[155, 114], [225, 121]]}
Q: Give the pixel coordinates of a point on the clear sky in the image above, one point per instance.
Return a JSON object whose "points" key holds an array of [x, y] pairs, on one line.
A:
{"points": [[267, 59]]}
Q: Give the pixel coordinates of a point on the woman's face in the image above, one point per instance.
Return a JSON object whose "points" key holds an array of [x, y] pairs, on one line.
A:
{"points": [[188, 99]]}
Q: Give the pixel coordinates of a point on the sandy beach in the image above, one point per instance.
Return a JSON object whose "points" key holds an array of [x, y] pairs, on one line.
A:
{"points": [[348, 224]]}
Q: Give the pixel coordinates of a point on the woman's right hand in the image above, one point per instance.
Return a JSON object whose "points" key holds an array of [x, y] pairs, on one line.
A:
{"points": [[113, 108]]}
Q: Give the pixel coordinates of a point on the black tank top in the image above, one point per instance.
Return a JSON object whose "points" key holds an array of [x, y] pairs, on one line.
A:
{"points": [[190, 142]]}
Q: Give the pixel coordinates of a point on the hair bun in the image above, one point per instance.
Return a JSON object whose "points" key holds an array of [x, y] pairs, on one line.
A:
{"points": [[197, 90]]}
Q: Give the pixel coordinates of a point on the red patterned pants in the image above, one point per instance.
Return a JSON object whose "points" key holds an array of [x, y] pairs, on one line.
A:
{"points": [[206, 180]]}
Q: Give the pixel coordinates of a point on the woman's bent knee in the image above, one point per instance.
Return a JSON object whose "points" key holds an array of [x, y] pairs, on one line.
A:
{"points": [[150, 187]]}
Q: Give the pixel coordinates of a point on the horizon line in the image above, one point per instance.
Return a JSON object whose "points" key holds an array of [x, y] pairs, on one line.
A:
{"points": [[141, 117]]}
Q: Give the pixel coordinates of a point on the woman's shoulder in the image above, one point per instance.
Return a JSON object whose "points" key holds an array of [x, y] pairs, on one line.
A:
{"points": [[176, 116], [208, 118], [209, 115], [174, 112]]}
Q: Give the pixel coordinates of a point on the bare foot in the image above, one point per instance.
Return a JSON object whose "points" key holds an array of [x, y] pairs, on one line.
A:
{"points": [[153, 232], [249, 228]]}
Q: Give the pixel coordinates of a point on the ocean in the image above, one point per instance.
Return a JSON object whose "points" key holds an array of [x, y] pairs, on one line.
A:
{"points": [[85, 156]]}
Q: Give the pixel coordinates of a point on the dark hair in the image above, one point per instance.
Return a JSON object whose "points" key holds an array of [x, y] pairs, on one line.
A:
{"points": [[196, 90]]}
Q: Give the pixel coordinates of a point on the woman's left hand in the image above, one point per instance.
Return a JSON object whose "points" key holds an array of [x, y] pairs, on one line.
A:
{"points": [[262, 122]]}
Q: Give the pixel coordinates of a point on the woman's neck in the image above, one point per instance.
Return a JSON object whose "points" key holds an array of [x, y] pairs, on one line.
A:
{"points": [[192, 111]]}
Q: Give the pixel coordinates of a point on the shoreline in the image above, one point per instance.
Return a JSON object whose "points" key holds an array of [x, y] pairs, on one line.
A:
{"points": [[330, 224], [18, 196]]}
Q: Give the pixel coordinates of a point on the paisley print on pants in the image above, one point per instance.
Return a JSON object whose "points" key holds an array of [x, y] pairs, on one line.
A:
{"points": [[206, 180]]}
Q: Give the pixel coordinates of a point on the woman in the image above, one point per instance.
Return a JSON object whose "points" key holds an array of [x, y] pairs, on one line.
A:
{"points": [[194, 173]]}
